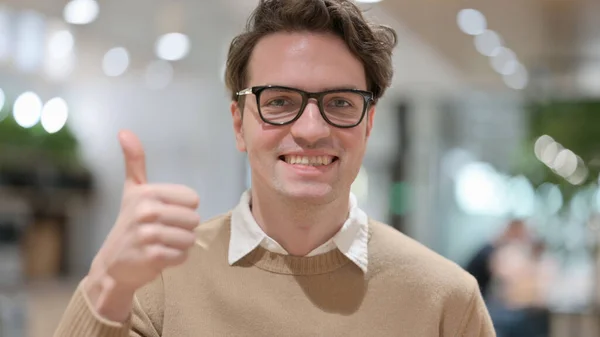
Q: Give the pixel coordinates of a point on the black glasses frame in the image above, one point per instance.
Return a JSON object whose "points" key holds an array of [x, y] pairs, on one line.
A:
{"points": [[257, 91]]}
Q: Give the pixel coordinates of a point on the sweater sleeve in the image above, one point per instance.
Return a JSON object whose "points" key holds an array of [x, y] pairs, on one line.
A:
{"points": [[477, 321], [80, 319]]}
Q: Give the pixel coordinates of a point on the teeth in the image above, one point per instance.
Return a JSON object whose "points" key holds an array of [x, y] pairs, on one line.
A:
{"points": [[312, 161]]}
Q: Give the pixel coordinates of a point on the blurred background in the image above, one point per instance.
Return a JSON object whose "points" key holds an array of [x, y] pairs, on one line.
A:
{"points": [[485, 148]]}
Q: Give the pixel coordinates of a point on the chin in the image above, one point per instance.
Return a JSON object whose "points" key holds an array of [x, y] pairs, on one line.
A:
{"points": [[313, 193]]}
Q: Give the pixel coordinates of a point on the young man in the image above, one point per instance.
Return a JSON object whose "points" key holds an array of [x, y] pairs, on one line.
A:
{"points": [[296, 257]]}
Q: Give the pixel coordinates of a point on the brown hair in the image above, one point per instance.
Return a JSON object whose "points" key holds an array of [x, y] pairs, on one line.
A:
{"points": [[371, 43]]}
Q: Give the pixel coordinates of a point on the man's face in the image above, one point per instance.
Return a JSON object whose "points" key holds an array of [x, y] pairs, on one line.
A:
{"points": [[330, 157]]}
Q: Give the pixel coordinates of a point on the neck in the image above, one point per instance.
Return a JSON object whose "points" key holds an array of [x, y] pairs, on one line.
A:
{"points": [[299, 226]]}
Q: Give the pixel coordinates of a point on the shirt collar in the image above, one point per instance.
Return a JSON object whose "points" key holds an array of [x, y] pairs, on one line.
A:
{"points": [[351, 239]]}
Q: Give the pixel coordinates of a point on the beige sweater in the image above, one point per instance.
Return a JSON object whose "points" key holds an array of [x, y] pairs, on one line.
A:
{"points": [[408, 291]]}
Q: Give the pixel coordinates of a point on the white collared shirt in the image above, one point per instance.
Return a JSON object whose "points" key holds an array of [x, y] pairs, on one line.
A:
{"points": [[351, 239]]}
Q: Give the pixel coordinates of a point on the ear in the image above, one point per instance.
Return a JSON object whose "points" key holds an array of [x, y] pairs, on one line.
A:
{"points": [[238, 130], [370, 119]]}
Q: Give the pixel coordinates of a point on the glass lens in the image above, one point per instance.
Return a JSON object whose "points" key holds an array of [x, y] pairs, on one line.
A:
{"points": [[280, 105], [343, 108]]}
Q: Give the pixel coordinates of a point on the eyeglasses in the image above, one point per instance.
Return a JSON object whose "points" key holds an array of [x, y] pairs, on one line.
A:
{"points": [[342, 108]]}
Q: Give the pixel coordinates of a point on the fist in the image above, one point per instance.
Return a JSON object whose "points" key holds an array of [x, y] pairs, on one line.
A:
{"points": [[154, 228]]}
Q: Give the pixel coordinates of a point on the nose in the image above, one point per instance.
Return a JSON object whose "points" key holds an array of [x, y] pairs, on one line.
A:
{"points": [[310, 128]]}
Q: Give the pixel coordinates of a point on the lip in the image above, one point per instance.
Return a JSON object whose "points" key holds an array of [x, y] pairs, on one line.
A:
{"points": [[309, 154]]}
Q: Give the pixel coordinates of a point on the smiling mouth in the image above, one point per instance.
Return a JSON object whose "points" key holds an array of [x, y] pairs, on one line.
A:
{"points": [[309, 160]]}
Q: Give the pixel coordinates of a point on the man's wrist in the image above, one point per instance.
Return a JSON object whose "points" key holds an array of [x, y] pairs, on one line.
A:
{"points": [[107, 298]]}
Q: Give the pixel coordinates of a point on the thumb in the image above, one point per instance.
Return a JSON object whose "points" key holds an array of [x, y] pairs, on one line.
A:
{"points": [[135, 158]]}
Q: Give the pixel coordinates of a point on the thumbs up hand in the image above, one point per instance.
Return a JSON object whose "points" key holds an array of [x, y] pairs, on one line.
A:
{"points": [[153, 231]]}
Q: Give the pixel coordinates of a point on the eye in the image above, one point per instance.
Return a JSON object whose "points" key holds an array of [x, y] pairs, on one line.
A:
{"points": [[340, 103], [278, 102]]}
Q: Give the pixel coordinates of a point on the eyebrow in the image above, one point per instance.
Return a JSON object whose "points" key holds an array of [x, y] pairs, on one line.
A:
{"points": [[337, 87], [340, 87]]}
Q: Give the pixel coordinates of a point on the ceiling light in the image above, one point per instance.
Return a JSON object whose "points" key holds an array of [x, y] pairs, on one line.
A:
{"points": [[471, 21], [115, 62], [27, 109], [172, 46], [54, 115], [504, 61], [81, 12], [488, 42], [517, 80]]}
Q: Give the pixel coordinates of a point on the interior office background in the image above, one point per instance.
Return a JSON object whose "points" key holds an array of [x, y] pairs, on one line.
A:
{"points": [[462, 141]]}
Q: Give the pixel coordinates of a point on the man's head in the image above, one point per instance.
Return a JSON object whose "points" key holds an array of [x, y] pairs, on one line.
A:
{"points": [[515, 231], [301, 144]]}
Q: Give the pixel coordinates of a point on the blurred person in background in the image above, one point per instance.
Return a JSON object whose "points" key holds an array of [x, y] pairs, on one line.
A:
{"points": [[296, 256], [480, 264], [521, 275]]}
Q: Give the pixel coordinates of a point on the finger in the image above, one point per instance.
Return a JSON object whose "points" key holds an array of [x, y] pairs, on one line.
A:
{"points": [[173, 237], [182, 217], [171, 194], [160, 256], [135, 158]]}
